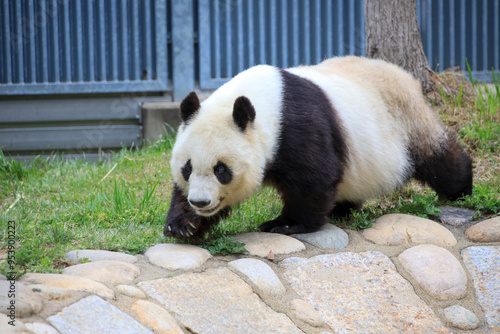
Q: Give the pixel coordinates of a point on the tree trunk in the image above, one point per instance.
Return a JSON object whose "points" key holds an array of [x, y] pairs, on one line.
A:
{"points": [[392, 34]]}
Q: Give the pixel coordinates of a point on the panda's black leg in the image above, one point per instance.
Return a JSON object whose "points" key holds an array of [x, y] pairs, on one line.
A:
{"points": [[344, 209], [182, 222], [300, 215]]}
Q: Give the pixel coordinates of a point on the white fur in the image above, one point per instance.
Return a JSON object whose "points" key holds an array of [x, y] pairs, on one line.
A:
{"points": [[213, 136]]}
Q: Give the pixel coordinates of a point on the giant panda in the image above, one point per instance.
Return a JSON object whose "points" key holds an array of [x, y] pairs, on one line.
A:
{"points": [[327, 137]]}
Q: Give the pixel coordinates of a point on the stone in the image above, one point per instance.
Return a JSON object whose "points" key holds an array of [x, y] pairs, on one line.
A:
{"points": [[2, 277], [41, 328], [17, 326], [26, 302], [217, 301], [398, 229], [99, 255], [328, 237], [71, 283], [260, 274], [131, 291], [306, 313], [155, 317], [94, 315], [50, 292], [105, 271], [360, 292], [260, 243], [461, 318], [177, 256], [436, 271], [485, 231], [456, 216], [483, 263]]}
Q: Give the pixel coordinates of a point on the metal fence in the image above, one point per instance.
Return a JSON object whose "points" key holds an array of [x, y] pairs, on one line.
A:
{"points": [[80, 46], [456, 31]]}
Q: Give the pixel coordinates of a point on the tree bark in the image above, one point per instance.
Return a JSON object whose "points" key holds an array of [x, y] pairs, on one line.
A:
{"points": [[392, 34]]}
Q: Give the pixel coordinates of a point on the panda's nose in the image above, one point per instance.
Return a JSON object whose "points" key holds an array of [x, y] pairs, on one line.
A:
{"points": [[200, 204]]}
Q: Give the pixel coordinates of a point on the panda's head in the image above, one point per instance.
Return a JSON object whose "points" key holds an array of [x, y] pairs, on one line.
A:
{"points": [[216, 158]]}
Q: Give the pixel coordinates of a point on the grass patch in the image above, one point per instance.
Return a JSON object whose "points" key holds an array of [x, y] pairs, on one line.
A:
{"points": [[120, 205]]}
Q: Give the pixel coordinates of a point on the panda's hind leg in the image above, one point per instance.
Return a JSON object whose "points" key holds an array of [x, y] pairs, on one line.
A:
{"points": [[345, 208]]}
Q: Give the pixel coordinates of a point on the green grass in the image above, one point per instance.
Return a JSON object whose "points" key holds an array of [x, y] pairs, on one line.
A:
{"points": [[484, 127], [121, 204]]}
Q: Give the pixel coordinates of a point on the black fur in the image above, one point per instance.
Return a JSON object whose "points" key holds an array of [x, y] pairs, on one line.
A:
{"points": [[186, 170], [223, 173], [243, 112], [343, 209], [189, 106], [448, 172], [310, 159], [180, 217]]}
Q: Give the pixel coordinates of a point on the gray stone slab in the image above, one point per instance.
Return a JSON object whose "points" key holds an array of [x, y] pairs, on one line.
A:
{"points": [[360, 293], [456, 216], [483, 263], [94, 315], [217, 301], [328, 237]]}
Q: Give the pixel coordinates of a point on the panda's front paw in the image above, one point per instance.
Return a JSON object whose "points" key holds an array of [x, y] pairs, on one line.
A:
{"points": [[181, 228]]}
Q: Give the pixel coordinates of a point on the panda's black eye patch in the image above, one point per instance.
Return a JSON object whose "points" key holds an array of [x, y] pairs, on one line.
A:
{"points": [[186, 170], [223, 173]]}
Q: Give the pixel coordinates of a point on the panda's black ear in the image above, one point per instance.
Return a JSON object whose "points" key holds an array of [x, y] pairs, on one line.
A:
{"points": [[243, 112], [189, 106]]}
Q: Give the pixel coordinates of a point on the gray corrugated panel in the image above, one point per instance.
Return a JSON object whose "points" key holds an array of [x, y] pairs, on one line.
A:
{"points": [[60, 47], [60, 110], [70, 138], [456, 31], [235, 35], [287, 33]]}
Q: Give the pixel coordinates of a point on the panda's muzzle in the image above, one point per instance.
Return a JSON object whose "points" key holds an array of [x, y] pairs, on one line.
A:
{"points": [[203, 208], [200, 204]]}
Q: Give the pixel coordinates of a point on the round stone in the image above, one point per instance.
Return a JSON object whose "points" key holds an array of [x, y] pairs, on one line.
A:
{"points": [[71, 283], [41, 328], [131, 291], [99, 255], [106, 271], [306, 313], [398, 229], [26, 302], [260, 274], [436, 271], [177, 256], [15, 326], [328, 237], [261, 243], [485, 231], [155, 317], [461, 317], [50, 292]]}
